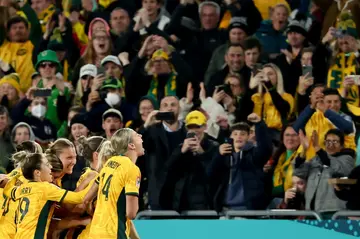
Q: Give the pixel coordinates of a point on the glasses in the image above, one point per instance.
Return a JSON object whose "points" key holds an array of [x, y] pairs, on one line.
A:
{"points": [[45, 64], [331, 142]]}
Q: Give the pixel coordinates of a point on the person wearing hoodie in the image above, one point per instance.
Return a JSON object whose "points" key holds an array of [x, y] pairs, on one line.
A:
{"points": [[271, 32], [20, 133], [237, 169]]}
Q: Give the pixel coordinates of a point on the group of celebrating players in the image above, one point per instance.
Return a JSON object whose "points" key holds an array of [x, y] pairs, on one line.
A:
{"points": [[105, 200]]}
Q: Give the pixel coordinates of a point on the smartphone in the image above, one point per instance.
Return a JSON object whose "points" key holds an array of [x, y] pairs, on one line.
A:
{"points": [[42, 92], [307, 70], [229, 141], [101, 70], [190, 135], [356, 78], [165, 116], [226, 88], [257, 68], [339, 33]]}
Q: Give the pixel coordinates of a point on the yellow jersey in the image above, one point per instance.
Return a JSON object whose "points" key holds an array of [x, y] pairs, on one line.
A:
{"points": [[19, 56], [35, 209], [84, 233], [118, 178], [9, 207]]}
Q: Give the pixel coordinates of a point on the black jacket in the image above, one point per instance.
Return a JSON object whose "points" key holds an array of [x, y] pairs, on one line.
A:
{"points": [[157, 152], [251, 166], [187, 185]]}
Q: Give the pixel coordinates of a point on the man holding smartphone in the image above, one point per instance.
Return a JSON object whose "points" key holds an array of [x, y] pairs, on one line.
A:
{"points": [[187, 184]]}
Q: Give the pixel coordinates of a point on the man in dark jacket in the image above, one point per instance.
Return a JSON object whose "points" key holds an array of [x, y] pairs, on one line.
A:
{"points": [[238, 168], [160, 140], [186, 186]]}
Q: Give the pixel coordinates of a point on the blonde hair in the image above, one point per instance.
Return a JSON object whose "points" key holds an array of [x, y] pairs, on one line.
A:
{"points": [[23, 149], [117, 145], [279, 78], [53, 152]]}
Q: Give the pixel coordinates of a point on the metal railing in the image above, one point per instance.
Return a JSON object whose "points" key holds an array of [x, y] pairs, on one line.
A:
{"points": [[345, 214], [231, 214]]}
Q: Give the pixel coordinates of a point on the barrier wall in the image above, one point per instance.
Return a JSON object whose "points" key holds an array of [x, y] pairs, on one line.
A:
{"points": [[252, 229]]}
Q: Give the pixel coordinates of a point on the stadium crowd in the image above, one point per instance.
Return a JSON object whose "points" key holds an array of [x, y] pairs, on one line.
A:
{"points": [[239, 104]]}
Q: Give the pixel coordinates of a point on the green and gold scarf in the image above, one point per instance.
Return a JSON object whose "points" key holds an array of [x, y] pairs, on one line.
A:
{"points": [[170, 87], [345, 64]]}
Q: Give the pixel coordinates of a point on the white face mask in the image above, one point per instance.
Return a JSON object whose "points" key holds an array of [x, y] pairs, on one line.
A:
{"points": [[38, 111], [112, 99]]}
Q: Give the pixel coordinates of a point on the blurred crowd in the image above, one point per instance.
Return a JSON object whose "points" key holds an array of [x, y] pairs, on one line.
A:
{"points": [[241, 104]]}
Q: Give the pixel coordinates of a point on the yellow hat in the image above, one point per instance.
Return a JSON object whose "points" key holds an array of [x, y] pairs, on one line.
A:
{"points": [[161, 54], [195, 118], [13, 79]]}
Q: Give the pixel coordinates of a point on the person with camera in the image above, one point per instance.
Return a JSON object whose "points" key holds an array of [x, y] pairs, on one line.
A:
{"points": [[237, 168], [295, 196], [162, 133], [186, 186]]}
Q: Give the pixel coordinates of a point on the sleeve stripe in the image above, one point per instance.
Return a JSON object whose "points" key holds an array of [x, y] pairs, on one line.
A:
{"points": [[62, 198], [12, 194], [132, 194]]}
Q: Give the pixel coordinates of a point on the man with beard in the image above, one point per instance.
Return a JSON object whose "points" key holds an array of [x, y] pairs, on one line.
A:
{"points": [[160, 140]]}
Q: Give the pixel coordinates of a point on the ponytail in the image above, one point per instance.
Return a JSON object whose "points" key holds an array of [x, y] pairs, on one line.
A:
{"points": [[105, 153], [19, 158]]}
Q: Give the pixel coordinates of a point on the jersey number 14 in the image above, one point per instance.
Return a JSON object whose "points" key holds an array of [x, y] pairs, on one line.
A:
{"points": [[106, 187]]}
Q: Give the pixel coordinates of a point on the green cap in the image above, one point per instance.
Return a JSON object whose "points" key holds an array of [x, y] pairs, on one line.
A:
{"points": [[48, 56], [111, 83]]}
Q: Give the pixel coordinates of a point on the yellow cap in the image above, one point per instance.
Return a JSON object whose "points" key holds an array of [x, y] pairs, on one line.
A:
{"points": [[195, 118], [160, 54]]}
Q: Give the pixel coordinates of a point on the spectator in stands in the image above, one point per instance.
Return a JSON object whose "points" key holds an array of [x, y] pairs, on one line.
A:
{"points": [[253, 50], [271, 32], [238, 31], [113, 68], [334, 162], [276, 105], [295, 197], [48, 64], [44, 130], [78, 128], [19, 41], [83, 89], [240, 169], [20, 133], [289, 61], [266, 8], [10, 91], [333, 11], [5, 140], [235, 64], [119, 21], [187, 185], [324, 114], [146, 105], [99, 46], [151, 15], [112, 121], [284, 158], [160, 140], [44, 10], [166, 74]]}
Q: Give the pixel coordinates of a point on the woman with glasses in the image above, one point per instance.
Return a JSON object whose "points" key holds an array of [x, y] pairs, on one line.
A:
{"points": [[334, 161]]}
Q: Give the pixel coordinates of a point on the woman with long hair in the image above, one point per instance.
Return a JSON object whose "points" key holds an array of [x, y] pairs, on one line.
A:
{"points": [[36, 196], [119, 184], [271, 102], [8, 206], [99, 46]]}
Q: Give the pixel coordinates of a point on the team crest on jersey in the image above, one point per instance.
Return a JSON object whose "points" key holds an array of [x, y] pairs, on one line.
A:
{"points": [[138, 182], [21, 52]]}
